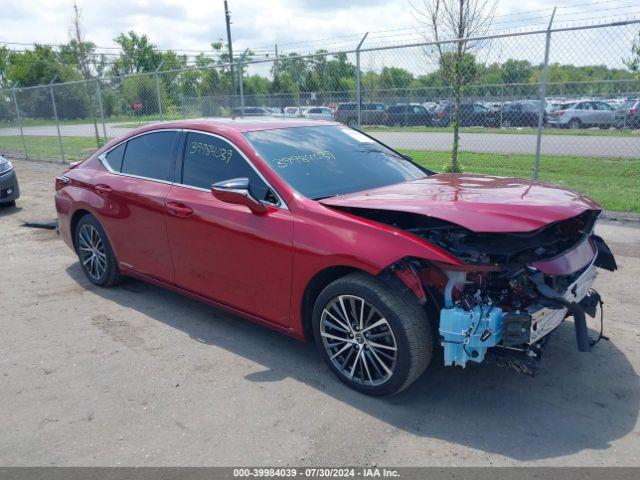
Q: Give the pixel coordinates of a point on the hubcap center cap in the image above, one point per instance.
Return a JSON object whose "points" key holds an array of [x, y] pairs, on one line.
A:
{"points": [[359, 338]]}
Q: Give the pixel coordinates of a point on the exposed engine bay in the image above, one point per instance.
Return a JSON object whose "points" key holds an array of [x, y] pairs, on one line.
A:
{"points": [[513, 289]]}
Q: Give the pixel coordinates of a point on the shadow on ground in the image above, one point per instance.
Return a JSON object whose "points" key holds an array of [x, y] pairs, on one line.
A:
{"points": [[578, 401], [6, 209]]}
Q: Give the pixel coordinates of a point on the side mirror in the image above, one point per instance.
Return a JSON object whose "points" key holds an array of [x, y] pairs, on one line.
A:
{"points": [[237, 191]]}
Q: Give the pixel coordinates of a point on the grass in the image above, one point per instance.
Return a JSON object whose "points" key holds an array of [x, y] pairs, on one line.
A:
{"points": [[592, 132], [614, 182], [133, 119], [48, 148], [134, 125]]}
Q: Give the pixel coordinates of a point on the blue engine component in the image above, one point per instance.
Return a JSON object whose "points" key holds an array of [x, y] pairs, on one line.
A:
{"points": [[468, 333]]}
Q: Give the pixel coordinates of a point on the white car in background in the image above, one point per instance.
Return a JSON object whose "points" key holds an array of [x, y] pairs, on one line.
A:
{"points": [[293, 111], [318, 113], [581, 114]]}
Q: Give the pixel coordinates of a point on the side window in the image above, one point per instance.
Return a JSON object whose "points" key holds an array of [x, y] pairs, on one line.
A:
{"points": [[209, 160], [115, 156], [151, 155]]}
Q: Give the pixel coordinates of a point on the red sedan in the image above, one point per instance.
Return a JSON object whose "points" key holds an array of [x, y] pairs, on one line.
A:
{"points": [[321, 232]]}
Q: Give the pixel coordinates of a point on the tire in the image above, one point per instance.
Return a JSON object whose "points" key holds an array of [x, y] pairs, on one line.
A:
{"points": [[574, 124], [102, 270], [403, 324]]}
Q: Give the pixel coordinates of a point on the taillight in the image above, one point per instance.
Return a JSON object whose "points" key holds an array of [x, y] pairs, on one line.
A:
{"points": [[633, 111], [560, 113], [61, 182], [439, 114], [386, 116]]}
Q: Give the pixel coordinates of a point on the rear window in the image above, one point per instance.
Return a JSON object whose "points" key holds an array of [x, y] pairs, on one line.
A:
{"points": [[151, 155], [115, 156], [396, 109]]}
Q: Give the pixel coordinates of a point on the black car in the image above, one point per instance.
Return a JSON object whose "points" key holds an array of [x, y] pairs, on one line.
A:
{"points": [[521, 114], [251, 112], [471, 115], [9, 189], [371, 113], [404, 115]]}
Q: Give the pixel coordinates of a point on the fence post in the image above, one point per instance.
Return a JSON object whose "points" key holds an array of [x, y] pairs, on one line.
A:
{"points": [[99, 93], [543, 96], [15, 103], [158, 91], [240, 80], [358, 86], [501, 102], [55, 115]]}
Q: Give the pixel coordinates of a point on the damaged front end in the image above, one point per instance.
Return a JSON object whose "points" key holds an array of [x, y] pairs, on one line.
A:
{"points": [[512, 290]]}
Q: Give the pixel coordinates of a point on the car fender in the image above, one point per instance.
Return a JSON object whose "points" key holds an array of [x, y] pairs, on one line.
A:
{"points": [[325, 238]]}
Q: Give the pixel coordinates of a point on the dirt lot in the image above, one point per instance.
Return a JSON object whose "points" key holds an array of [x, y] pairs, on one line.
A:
{"points": [[139, 376]]}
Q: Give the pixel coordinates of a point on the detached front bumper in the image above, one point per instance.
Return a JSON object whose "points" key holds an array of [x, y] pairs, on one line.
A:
{"points": [[9, 188]]}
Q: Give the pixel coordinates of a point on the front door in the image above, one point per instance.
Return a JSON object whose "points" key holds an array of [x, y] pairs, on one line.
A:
{"points": [[224, 251]]}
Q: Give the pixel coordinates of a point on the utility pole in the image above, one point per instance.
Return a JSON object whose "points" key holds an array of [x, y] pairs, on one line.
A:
{"points": [[227, 15]]}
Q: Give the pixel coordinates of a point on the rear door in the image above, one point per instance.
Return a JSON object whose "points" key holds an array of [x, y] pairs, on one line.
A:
{"points": [[134, 213], [223, 251]]}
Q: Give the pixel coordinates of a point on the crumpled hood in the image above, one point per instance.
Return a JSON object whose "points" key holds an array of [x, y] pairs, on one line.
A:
{"points": [[480, 203]]}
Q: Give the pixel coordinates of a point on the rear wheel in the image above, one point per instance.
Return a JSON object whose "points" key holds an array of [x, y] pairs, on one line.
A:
{"points": [[95, 253], [575, 124], [374, 340]]}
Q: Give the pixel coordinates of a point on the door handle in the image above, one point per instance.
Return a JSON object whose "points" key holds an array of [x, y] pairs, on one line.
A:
{"points": [[178, 209], [102, 190]]}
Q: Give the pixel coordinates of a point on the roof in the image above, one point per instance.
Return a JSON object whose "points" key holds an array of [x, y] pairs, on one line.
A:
{"points": [[247, 124]]}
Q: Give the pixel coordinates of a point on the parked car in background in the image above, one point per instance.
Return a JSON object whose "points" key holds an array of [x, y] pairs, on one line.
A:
{"points": [[372, 113], [322, 233], [582, 114], [412, 114], [471, 115], [293, 111], [9, 188], [628, 115], [430, 106], [251, 112], [318, 113], [521, 114]]}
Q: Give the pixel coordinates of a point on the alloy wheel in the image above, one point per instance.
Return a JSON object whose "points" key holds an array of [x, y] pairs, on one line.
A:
{"points": [[92, 252], [358, 340]]}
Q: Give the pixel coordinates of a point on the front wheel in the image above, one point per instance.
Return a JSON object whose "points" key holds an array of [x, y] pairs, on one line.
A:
{"points": [[374, 340]]}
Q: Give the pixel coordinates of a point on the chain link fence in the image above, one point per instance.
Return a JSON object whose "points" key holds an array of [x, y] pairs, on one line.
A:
{"points": [[522, 111]]}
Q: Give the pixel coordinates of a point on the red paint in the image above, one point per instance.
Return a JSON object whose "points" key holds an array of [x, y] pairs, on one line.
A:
{"points": [[478, 202], [259, 264]]}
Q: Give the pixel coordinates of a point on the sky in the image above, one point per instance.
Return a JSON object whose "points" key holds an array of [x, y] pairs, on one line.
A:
{"points": [[295, 25]]}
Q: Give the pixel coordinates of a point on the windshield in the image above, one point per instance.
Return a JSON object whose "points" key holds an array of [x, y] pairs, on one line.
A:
{"points": [[325, 161]]}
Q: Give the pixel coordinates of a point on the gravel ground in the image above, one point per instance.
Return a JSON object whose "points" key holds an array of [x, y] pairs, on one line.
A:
{"points": [[139, 376]]}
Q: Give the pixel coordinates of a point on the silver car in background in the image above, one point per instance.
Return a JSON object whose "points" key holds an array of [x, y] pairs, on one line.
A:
{"points": [[582, 114], [318, 113]]}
